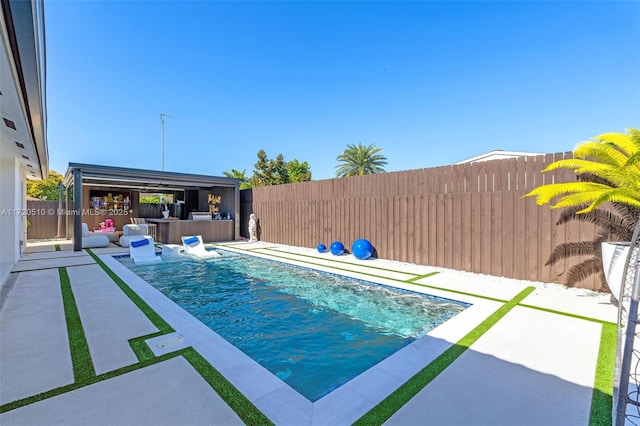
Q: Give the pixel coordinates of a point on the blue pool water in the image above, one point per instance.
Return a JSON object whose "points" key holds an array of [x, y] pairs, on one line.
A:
{"points": [[313, 330]]}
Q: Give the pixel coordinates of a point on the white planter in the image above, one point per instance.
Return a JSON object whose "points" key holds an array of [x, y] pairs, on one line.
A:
{"points": [[614, 257], [165, 214]]}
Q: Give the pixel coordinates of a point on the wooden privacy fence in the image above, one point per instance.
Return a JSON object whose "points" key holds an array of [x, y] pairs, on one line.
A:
{"points": [[469, 217], [43, 219]]}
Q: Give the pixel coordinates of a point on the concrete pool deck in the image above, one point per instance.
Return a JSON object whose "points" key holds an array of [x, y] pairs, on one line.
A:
{"points": [[80, 347]]}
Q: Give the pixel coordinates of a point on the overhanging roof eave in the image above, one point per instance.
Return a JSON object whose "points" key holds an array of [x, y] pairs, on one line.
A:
{"points": [[140, 178]]}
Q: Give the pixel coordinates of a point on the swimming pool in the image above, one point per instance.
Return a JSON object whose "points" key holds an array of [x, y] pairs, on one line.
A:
{"points": [[313, 330]]}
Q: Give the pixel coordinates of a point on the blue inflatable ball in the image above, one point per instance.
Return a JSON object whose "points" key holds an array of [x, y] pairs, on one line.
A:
{"points": [[336, 248], [322, 248], [362, 249]]}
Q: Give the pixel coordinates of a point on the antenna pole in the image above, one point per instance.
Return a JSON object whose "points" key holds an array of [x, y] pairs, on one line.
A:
{"points": [[162, 116]]}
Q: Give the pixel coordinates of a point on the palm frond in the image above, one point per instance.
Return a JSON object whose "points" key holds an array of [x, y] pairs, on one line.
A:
{"points": [[545, 193], [603, 152], [621, 141]]}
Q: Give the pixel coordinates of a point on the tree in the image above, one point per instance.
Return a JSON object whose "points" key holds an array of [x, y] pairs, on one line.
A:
{"points": [[241, 175], [298, 172], [613, 224], [615, 160], [611, 175], [276, 172], [360, 160], [48, 189]]}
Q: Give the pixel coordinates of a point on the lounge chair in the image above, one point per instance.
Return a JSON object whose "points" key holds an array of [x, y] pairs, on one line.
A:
{"points": [[194, 246], [142, 251], [93, 239], [133, 232]]}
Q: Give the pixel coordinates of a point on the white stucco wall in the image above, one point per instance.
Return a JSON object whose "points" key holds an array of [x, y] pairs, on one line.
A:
{"points": [[12, 222]]}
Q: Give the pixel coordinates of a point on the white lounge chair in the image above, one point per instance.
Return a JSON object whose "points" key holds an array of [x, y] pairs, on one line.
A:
{"points": [[93, 239], [133, 232], [194, 246], [142, 251]]}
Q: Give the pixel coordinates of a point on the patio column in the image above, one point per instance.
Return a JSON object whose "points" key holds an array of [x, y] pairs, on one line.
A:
{"points": [[67, 208], [77, 210], [236, 214]]}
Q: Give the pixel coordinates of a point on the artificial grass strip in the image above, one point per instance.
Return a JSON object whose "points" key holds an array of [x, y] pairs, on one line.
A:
{"points": [[80, 355], [567, 314], [248, 412], [379, 268], [236, 400], [153, 316], [479, 296], [392, 403], [602, 397], [419, 277], [89, 381], [140, 347], [57, 246]]}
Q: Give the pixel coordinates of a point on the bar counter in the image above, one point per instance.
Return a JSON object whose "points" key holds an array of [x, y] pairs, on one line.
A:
{"points": [[170, 231]]}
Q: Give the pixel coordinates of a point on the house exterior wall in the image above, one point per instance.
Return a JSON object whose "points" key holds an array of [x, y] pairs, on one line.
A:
{"points": [[12, 213]]}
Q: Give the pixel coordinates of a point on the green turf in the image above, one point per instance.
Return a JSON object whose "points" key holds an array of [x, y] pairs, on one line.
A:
{"points": [[248, 412], [336, 260], [156, 319], [245, 409], [479, 296], [84, 372], [86, 382], [602, 399], [57, 246], [80, 356], [140, 347], [419, 277], [386, 408], [566, 314]]}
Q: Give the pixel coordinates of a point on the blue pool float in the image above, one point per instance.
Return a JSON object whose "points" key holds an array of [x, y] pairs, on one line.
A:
{"points": [[322, 248], [362, 249], [336, 248]]}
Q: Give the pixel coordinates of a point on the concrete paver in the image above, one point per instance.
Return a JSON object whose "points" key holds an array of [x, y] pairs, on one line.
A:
{"points": [[168, 393], [108, 316], [33, 265], [531, 368], [34, 345]]}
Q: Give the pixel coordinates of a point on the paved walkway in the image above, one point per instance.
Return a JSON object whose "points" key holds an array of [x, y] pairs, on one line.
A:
{"points": [[80, 347]]}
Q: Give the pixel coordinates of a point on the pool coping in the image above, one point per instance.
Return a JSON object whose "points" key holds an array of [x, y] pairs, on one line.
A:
{"points": [[348, 403], [260, 396]]}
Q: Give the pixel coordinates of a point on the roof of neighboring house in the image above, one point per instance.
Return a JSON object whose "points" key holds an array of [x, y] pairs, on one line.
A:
{"points": [[499, 154]]}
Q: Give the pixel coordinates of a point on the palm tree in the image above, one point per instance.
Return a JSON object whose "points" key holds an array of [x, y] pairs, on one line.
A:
{"points": [[360, 160], [616, 160], [237, 174]]}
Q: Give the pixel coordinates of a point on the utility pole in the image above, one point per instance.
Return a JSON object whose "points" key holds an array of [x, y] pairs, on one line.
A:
{"points": [[162, 116]]}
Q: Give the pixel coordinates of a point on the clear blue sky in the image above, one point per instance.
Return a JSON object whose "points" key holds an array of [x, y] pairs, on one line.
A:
{"points": [[431, 83]]}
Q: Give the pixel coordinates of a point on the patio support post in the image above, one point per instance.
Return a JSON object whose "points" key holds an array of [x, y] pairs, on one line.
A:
{"points": [[77, 210], [67, 206], [59, 230], [236, 215]]}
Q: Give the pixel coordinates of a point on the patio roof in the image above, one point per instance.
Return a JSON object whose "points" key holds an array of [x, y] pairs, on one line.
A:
{"points": [[79, 175], [144, 180]]}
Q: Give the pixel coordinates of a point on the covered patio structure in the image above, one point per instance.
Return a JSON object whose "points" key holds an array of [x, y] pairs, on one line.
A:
{"points": [[95, 192]]}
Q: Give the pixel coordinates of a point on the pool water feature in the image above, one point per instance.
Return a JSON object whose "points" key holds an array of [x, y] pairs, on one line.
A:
{"points": [[312, 329]]}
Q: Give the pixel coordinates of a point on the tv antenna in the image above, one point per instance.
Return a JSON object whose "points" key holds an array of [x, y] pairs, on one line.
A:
{"points": [[162, 116]]}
